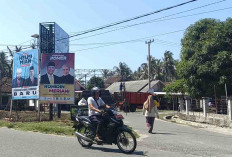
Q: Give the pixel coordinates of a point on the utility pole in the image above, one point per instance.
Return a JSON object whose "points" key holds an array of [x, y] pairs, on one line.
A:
{"points": [[149, 62]]}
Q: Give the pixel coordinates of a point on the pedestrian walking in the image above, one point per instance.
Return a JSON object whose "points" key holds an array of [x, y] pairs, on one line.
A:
{"points": [[150, 110]]}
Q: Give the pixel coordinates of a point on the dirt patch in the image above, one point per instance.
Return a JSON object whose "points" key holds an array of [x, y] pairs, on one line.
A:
{"points": [[30, 116]]}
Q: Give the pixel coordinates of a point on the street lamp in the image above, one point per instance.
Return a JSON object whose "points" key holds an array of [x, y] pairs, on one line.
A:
{"points": [[36, 36]]}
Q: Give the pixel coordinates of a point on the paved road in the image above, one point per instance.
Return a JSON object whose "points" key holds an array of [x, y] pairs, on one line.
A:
{"points": [[170, 139]]}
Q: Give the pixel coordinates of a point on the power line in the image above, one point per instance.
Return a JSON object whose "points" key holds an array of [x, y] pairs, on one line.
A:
{"points": [[154, 20], [112, 43], [159, 21], [11, 45], [167, 15], [135, 40], [118, 42], [151, 21], [127, 20]]}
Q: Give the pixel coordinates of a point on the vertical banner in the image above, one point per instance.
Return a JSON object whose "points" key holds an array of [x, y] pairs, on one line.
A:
{"points": [[25, 75], [57, 78]]}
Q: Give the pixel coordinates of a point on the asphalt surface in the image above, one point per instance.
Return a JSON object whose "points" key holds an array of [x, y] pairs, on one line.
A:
{"points": [[169, 139]]}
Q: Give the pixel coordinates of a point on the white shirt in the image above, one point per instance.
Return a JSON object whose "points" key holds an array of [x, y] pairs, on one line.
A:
{"points": [[93, 102]]}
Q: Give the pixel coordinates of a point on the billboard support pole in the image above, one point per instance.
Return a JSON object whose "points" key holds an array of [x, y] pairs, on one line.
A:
{"points": [[39, 119], [50, 111], [16, 109], [10, 109], [59, 111]]}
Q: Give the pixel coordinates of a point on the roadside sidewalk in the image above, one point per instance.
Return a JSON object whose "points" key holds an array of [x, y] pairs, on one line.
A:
{"points": [[204, 126]]}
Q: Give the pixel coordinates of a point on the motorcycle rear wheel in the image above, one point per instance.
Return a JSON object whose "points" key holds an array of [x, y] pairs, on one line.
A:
{"points": [[126, 142], [86, 132]]}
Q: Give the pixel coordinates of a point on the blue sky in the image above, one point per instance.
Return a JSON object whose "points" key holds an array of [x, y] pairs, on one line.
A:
{"points": [[19, 19]]}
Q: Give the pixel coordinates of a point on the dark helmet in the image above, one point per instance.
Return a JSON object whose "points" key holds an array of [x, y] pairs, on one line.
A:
{"points": [[94, 90]]}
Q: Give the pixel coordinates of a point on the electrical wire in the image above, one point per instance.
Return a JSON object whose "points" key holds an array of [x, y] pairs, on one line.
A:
{"points": [[127, 20], [131, 26], [135, 40], [167, 15], [152, 22]]}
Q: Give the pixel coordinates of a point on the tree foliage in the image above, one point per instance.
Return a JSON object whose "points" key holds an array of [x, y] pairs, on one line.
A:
{"points": [[164, 70], [95, 82], [206, 57], [124, 71], [178, 86]]}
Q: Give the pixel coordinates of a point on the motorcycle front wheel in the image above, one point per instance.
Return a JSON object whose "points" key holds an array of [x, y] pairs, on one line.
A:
{"points": [[126, 142], [86, 132]]}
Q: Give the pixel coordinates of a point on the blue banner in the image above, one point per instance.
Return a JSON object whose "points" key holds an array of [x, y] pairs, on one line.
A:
{"points": [[25, 75]]}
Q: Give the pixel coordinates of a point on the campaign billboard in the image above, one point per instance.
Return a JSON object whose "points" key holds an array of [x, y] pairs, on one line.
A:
{"points": [[25, 75], [57, 78]]}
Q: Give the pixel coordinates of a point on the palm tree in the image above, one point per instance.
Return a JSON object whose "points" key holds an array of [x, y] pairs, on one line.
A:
{"points": [[124, 71], [138, 74], [5, 66], [157, 69], [105, 74], [168, 66]]}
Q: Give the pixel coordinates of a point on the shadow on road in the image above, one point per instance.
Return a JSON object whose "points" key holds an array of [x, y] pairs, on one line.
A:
{"points": [[213, 134], [162, 133], [142, 153]]}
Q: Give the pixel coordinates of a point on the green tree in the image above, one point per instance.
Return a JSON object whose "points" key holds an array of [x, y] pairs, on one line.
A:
{"points": [[206, 57], [124, 71], [157, 69], [137, 75], [5, 67], [168, 66], [95, 81], [178, 86]]}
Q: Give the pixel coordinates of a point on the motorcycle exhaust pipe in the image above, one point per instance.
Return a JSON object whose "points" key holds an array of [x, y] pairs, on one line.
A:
{"points": [[83, 137]]}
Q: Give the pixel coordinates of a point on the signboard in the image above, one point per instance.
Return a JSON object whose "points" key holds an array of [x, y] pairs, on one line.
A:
{"points": [[57, 78], [53, 39], [61, 40], [25, 75]]}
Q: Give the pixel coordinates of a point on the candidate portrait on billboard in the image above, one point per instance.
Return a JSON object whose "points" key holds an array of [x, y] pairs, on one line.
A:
{"points": [[18, 81], [32, 80], [57, 78], [25, 75], [50, 77]]}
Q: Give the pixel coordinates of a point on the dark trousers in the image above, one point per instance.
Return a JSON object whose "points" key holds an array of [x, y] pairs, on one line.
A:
{"points": [[98, 121], [150, 123]]}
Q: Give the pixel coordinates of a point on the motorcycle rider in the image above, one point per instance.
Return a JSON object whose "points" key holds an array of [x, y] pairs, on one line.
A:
{"points": [[94, 104]]}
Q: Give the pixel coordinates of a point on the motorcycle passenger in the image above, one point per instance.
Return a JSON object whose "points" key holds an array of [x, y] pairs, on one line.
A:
{"points": [[94, 104]]}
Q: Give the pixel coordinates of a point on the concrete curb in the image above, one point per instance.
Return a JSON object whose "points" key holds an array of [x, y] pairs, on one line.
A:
{"points": [[209, 127]]}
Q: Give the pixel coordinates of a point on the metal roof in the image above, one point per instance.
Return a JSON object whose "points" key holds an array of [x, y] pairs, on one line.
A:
{"points": [[133, 86], [153, 83]]}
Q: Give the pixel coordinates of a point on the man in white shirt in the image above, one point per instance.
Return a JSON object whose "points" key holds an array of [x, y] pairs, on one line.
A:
{"points": [[94, 104]]}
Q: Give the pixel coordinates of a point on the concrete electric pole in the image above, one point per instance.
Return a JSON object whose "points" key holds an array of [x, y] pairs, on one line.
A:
{"points": [[149, 62]]}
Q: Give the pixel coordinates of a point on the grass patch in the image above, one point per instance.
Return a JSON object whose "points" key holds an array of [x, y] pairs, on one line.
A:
{"points": [[48, 127], [61, 126]]}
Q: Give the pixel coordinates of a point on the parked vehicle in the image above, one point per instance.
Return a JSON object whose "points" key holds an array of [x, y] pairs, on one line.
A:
{"points": [[135, 99], [114, 132], [105, 95]]}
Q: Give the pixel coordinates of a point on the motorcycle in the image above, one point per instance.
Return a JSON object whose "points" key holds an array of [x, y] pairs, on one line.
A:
{"points": [[113, 132]]}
